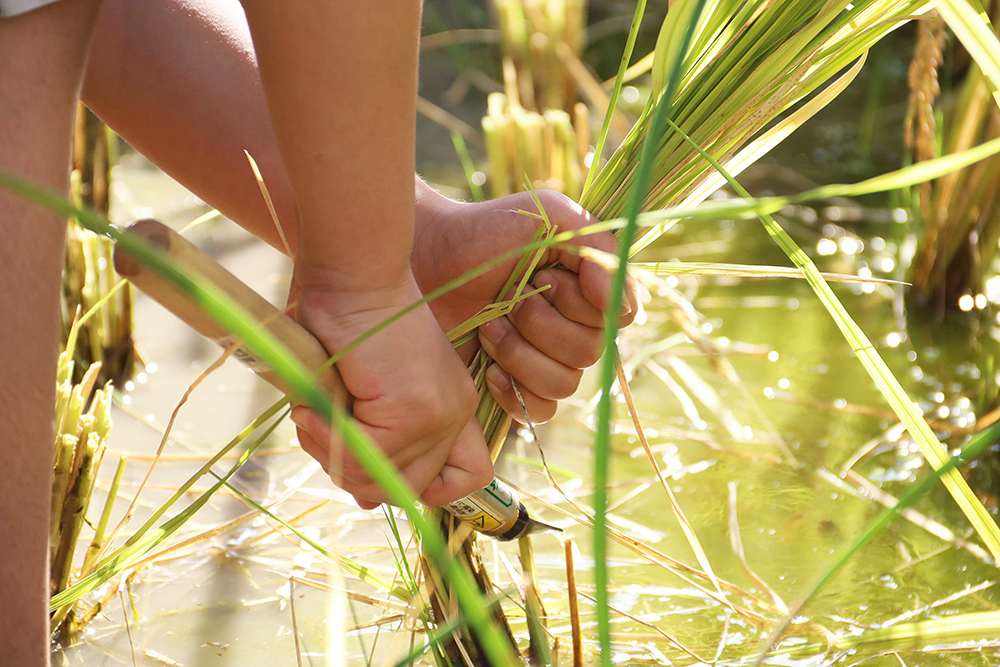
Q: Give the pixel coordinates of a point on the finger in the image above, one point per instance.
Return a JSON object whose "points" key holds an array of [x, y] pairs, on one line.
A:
{"points": [[539, 373], [539, 410], [554, 335], [318, 442], [338, 462], [467, 469], [564, 293], [448, 472], [595, 279], [365, 504]]}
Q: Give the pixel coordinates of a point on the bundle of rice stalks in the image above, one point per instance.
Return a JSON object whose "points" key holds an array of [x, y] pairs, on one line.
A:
{"points": [[83, 422], [546, 148], [746, 65], [535, 130], [88, 274], [958, 212], [535, 36]]}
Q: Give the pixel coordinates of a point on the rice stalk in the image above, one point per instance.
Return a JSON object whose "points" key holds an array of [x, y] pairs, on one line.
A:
{"points": [[83, 423], [531, 32], [959, 213], [574, 602], [88, 274], [533, 129], [539, 652], [749, 63]]}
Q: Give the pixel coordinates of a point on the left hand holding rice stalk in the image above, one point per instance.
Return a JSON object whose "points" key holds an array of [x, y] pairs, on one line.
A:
{"points": [[549, 338]]}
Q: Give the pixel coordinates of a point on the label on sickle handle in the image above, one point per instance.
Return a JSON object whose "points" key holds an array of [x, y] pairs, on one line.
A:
{"points": [[243, 355], [492, 510]]}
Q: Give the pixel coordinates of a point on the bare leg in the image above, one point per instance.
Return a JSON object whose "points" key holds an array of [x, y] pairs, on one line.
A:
{"points": [[43, 54]]}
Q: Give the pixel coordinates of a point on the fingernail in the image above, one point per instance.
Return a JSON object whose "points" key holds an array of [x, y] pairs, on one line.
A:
{"points": [[496, 377], [626, 308], [298, 418], [494, 330]]}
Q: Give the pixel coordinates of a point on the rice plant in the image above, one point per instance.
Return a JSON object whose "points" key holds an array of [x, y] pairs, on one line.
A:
{"points": [[536, 132], [83, 422], [958, 213], [88, 275]]}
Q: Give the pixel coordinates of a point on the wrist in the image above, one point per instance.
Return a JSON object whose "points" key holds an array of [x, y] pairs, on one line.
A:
{"points": [[327, 288]]}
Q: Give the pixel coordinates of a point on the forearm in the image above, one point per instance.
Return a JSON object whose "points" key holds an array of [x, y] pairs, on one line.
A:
{"points": [[340, 80], [178, 80]]}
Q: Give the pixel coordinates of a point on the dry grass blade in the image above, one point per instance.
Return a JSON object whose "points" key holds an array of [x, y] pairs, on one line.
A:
{"points": [[685, 525], [675, 567], [676, 644], [128, 628], [270, 204], [933, 527], [737, 543], [448, 121], [295, 622], [574, 603]]}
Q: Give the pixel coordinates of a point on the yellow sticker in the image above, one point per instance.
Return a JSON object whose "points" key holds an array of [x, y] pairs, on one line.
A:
{"points": [[483, 521]]}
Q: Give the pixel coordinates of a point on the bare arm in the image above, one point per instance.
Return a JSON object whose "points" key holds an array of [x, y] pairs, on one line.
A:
{"points": [[41, 52], [178, 80]]}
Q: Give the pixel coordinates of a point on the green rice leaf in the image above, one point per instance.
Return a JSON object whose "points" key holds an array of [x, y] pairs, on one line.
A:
{"points": [[602, 138], [670, 73], [972, 27]]}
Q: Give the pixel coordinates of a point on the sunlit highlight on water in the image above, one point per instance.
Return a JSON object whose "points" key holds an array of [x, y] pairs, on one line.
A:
{"points": [[826, 247]]}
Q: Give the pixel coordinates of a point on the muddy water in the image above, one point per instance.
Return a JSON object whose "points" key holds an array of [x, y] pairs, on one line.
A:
{"points": [[760, 425]]}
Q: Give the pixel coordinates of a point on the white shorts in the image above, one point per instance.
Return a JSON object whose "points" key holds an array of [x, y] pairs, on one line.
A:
{"points": [[15, 7]]}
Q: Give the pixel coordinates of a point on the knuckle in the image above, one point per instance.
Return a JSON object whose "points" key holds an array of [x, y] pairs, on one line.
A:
{"points": [[529, 316], [566, 385], [468, 400], [481, 477]]}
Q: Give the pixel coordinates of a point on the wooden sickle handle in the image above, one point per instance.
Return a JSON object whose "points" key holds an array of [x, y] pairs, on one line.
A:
{"points": [[304, 345]]}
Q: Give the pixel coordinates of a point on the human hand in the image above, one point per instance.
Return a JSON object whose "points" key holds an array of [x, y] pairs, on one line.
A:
{"points": [[412, 394], [548, 338]]}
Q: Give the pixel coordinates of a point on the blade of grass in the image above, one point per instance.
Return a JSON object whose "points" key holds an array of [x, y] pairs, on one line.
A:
{"points": [[602, 444], [264, 346], [976, 446], [360, 571], [888, 386], [972, 27], [467, 166], [640, 8]]}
